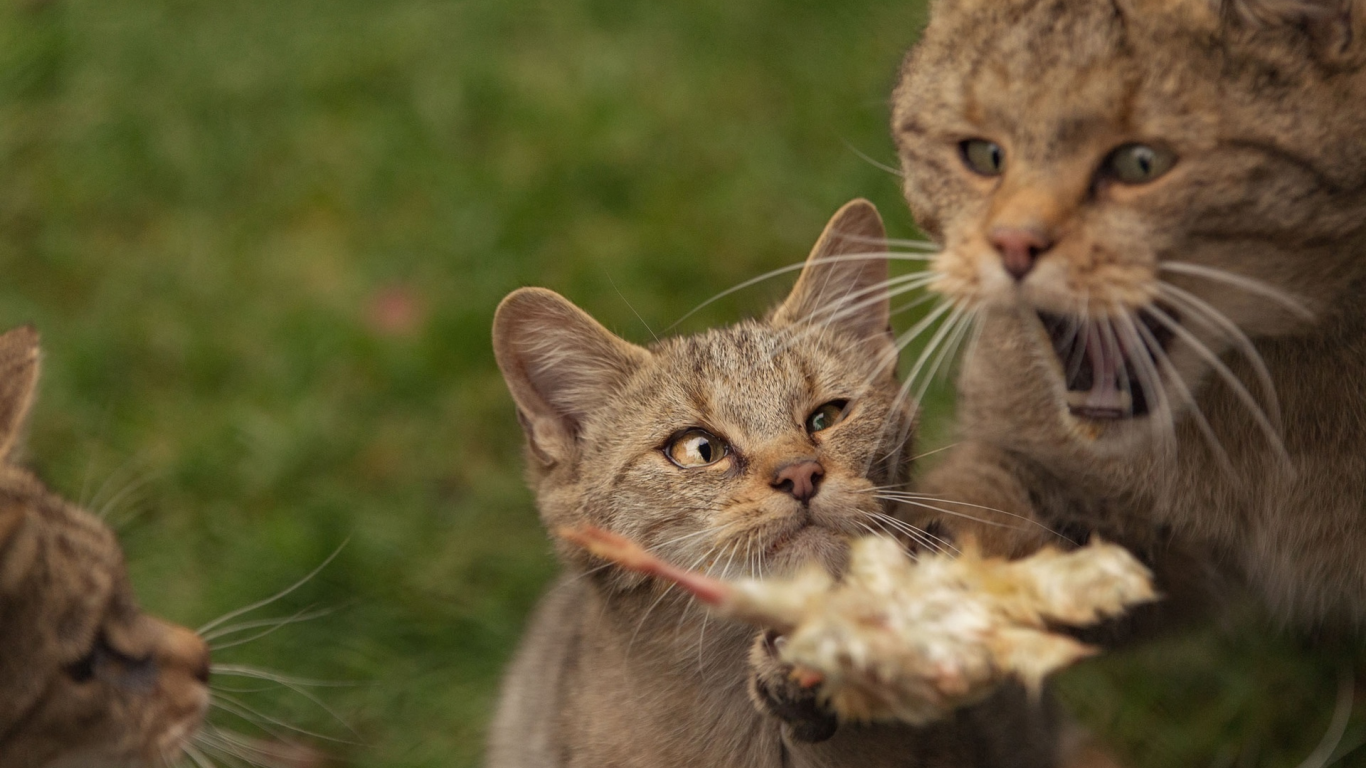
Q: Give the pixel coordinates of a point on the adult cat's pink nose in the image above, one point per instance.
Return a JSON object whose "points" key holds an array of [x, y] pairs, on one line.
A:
{"points": [[801, 478], [1019, 247]]}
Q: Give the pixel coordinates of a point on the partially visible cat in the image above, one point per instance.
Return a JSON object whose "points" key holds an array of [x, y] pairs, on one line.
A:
{"points": [[742, 450], [1157, 211], [87, 680]]}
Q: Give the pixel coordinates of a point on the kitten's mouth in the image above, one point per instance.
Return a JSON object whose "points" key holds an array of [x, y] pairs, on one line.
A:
{"points": [[1110, 367]]}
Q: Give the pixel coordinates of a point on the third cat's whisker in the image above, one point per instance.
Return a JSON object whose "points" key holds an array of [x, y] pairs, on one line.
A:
{"points": [[230, 615], [271, 626], [197, 757], [930, 541], [236, 706], [299, 686]]}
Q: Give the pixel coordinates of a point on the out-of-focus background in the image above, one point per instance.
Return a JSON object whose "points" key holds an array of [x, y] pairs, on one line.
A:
{"points": [[263, 241]]}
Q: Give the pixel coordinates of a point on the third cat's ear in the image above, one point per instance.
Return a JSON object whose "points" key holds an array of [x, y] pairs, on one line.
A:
{"points": [[559, 364], [843, 284], [18, 380]]}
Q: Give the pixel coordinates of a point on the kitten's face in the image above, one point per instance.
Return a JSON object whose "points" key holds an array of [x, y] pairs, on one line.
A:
{"points": [[1135, 185], [740, 450], [89, 680]]}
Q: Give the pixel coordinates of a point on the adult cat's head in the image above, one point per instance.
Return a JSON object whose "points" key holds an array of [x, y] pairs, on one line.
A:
{"points": [[752, 447], [86, 678], [1136, 186]]}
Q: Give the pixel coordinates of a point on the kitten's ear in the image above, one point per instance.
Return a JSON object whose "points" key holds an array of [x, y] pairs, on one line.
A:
{"points": [[843, 284], [18, 380], [559, 365]]}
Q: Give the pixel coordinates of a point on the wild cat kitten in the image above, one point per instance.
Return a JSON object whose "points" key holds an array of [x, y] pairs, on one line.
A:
{"points": [[1156, 210], [87, 680], [742, 450]]}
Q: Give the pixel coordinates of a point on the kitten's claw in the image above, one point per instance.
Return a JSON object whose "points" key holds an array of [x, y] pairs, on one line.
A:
{"points": [[778, 691]]}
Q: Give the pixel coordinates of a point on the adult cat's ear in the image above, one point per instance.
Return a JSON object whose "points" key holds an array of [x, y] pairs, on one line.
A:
{"points": [[844, 282], [1337, 28], [18, 380], [559, 365]]}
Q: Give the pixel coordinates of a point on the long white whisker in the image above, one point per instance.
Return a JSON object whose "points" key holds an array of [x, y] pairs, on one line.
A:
{"points": [[1272, 433], [229, 616], [1240, 281]]}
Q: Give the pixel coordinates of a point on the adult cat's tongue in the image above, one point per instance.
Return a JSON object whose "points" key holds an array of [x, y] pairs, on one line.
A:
{"points": [[1100, 390], [1102, 377]]}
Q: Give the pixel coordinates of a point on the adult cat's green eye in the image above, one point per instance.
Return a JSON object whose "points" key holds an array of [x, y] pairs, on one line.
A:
{"points": [[1139, 163], [696, 448], [826, 416], [984, 157]]}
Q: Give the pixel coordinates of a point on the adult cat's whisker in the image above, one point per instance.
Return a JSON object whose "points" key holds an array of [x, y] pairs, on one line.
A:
{"points": [[1201, 310], [948, 350], [931, 542], [1248, 284], [870, 256], [1272, 431], [1150, 382], [230, 615], [1202, 424], [948, 326]]}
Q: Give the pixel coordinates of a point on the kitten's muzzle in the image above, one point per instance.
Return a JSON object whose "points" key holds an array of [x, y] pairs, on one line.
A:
{"points": [[801, 479]]}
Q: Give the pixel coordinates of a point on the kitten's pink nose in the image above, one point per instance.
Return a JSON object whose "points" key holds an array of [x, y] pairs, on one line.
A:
{"points": [[800, 478], [1019, 247]]}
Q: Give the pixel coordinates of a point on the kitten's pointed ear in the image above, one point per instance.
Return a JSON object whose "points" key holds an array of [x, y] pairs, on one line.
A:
{"points": [[843, 284], [18, 380], [559, 364]]}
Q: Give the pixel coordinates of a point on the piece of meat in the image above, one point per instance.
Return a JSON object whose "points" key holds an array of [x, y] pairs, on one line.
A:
{"points": [[912, 640]]}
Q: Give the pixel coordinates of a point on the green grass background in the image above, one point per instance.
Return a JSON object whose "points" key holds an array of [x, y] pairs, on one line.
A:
{"points": [[263, 241]]}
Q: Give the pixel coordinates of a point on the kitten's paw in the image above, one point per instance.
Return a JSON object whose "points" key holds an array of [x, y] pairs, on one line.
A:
{"points": [[776, 694]]}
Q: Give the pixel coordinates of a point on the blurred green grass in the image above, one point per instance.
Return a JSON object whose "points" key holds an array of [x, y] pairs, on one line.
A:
{"points": [[263, 242]]}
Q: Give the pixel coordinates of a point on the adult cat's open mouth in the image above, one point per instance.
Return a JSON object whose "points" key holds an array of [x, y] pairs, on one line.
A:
{"points": [[1110, 366]]}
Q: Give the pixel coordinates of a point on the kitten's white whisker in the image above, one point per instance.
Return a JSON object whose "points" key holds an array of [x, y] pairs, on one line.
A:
{"points": [[869, 160]]}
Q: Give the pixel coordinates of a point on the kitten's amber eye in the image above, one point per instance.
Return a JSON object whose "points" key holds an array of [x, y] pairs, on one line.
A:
{"points": [[826, 416], [984, 157], [696, 448], [1139, 163]]}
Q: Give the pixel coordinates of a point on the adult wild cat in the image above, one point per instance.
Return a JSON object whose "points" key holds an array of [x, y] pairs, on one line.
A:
{"points": [[1156, 210], [87, 680], [742, 450]]}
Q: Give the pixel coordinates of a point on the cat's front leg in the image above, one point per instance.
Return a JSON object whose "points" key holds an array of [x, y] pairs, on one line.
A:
{"points": [[776, 694]]}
